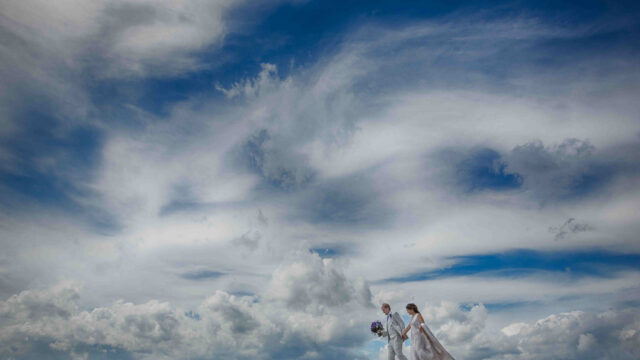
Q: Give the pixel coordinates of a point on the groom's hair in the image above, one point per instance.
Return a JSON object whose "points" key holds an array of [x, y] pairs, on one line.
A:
{"points": [[385, 305]]}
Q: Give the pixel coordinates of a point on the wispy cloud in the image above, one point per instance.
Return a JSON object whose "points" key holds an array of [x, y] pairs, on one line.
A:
{"points": [[231, 180]]}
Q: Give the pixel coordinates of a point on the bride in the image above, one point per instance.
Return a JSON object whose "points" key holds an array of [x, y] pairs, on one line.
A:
{"points": [[424, 346]]}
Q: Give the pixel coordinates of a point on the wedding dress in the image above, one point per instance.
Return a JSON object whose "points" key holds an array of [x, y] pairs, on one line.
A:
{"points": [[425, 346]]}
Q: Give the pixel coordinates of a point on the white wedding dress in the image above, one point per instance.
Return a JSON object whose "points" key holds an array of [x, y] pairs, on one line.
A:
{"points": [[425, 346]]}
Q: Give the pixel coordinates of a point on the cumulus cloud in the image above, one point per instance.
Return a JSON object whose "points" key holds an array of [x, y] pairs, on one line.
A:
{"points": [[578, 335], [457, 325], [315, 284], [569, 335], [310, 310]]}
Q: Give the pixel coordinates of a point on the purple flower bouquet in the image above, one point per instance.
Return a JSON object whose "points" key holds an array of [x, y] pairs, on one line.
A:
{"points": [[376, 328]]}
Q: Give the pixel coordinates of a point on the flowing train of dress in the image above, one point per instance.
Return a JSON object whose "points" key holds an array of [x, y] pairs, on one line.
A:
{"points": [[424, 345]]}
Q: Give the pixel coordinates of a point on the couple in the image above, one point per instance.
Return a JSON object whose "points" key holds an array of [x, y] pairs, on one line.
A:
{"points": [[424, 346]]}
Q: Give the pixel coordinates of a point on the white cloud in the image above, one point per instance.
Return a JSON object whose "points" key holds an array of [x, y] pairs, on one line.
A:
{"points": [[226, 326], [316, 284], [569, 335], [458, 326], [539, 293], [353, 123], [580, 335], [265, 82], [137, 37]]}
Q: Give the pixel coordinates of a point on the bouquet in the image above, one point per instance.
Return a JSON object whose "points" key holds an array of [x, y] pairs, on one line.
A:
{"points": [[376, 327]]}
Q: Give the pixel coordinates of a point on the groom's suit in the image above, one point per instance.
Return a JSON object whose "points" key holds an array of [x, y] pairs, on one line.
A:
{"points": [[393, 332]]}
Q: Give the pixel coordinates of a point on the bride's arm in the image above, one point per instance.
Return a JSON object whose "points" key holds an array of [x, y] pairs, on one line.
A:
{"points": [[421, 320], [404, 333]]}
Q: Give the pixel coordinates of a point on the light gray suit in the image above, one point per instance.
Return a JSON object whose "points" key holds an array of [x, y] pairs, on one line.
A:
{"points": [[393, 332]]}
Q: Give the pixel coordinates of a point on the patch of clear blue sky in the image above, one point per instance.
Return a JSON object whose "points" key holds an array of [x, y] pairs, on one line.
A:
{"points": [[327, 252], [483, 170], [76, 153], [518, 263]]}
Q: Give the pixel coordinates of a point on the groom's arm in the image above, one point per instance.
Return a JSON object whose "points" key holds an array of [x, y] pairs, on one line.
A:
{"points": [[397, 324], [401, 321]]}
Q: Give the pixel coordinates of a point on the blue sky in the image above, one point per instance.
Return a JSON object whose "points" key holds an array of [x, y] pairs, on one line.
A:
{"points": [[231, 180]]}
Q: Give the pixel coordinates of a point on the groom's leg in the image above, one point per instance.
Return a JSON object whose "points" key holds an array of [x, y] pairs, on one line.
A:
{"points": [[391, 353], [398, 348]]}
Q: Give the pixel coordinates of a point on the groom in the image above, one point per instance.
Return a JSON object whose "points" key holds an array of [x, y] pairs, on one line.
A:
{"points": [[393, 332]]}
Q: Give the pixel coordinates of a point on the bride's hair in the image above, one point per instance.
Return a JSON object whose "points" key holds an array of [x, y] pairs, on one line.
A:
{"points": [[413, 307]]}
